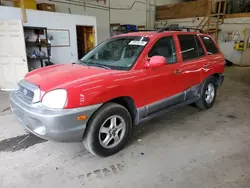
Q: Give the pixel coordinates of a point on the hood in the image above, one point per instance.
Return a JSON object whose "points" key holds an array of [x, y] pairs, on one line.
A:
{"points": [[62, 76]]}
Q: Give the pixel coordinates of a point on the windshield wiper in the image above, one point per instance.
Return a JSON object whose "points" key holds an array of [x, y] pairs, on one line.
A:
{"points": [[100, 65], [82, 62]]}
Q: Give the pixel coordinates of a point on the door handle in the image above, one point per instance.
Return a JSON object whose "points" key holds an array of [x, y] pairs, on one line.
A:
{"points": [[177, 72], [206, 66]]}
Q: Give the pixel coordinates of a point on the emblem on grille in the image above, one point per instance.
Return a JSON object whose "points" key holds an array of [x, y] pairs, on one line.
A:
{"points": [[25, 91]]}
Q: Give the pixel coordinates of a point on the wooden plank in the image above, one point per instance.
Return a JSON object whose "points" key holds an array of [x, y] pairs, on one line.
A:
{"points": [[238, 15], [225, 7], [12, 0], [209, 10], [190, 9], [141, 26], [24, 16], [114, 24]]}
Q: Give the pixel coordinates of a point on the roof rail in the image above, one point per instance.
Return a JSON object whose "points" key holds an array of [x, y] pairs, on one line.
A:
{"points": [[179, 29], [145, 30]]}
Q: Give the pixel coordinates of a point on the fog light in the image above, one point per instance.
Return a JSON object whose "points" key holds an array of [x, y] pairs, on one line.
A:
{"points": [[40, 130]]}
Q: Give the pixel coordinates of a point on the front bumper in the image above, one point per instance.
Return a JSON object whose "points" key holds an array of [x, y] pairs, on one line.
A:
{"points": [[58, 125]]}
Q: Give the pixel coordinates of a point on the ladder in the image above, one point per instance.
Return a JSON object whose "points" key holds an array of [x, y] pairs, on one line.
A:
{"points": [[211, 22]]}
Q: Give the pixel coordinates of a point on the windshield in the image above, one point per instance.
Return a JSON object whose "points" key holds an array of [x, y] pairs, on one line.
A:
{"points": [[117, 53]]}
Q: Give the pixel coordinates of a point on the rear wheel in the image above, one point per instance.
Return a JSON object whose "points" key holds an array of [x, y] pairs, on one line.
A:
{"points": [[108, 130], [207, 94]]}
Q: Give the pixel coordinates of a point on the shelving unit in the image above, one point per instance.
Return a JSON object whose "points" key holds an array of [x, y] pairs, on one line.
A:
{"points": [[40, 58], [38, 42], [117, 28]]}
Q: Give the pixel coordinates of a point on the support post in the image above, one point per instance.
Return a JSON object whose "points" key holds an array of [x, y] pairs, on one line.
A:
{"points": [[24, 16], [217, 22], [209, 10]]}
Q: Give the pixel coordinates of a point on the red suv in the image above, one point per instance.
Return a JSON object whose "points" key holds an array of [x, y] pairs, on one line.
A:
{"points": [[123, 81]]}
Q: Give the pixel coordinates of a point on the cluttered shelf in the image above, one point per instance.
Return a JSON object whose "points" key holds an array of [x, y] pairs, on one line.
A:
{"points": [[39, 58], [38, 47], [38, 44]]}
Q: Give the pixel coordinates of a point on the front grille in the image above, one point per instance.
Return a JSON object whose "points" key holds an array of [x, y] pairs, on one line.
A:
{"points": [[26, 93]]}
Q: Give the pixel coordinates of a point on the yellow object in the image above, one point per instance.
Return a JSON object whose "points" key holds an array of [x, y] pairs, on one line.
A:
{"points": [[80, 118], [91, 38], [28, 4], [239, 46]]}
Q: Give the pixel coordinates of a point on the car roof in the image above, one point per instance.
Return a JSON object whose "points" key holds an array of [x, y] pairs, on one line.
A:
{"points": [[141, 34], [152, 34]]}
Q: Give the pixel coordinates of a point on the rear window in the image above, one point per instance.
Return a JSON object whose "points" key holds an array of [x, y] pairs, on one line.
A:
{"points": [[190, 47], [209, 45]]}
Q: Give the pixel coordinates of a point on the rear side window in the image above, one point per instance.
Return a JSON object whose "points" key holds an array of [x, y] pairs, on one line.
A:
{"points": [[191, 47], [209, 45]]}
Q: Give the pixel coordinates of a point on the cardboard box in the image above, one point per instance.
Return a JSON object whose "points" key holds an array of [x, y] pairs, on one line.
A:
{"points": [[28, 4], [46, 7]]}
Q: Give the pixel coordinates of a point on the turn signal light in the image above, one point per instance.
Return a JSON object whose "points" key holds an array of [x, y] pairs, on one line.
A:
{"points": [[80, 118]]}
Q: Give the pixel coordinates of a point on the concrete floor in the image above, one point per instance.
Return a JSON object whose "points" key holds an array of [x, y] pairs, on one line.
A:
{"points": [[187, 148]]}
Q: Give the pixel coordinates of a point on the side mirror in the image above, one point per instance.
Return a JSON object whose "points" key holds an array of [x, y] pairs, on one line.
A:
{"points": [[156, 61]]}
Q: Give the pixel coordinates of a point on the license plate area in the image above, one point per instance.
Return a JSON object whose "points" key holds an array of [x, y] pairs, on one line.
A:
{"points": [[19, 114]]}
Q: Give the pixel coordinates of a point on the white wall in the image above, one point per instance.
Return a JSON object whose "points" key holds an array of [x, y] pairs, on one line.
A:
{"points": [[120, 12], [138, 14], [53, 21], [102, 16]]}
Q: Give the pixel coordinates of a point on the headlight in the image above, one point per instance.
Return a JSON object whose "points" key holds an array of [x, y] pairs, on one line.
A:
{"points": [[55, 99]]}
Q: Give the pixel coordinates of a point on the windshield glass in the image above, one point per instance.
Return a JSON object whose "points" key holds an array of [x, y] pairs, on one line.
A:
{"points": [[117, 53]]}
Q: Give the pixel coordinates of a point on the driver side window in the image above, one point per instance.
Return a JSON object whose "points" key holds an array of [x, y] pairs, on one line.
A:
{"points": [[164, 47]]}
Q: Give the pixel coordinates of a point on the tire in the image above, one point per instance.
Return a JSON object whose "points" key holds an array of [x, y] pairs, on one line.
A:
{"points": [[101, 129], [204, 103]]}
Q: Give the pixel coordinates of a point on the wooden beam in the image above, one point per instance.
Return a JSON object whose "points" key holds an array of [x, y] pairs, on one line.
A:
{"points": [[115, 24], [217, 22], [182, 10], [24, 16], [12, 0], [209, 10], [238, 15], [141, 26], [225, 7]]}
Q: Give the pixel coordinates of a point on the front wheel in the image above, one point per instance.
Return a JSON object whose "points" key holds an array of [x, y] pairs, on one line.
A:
{"points": [[207, 94], [108, 130]]}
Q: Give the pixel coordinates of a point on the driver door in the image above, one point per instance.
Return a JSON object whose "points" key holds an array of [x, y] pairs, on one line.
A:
{"points": [[165, 84]]}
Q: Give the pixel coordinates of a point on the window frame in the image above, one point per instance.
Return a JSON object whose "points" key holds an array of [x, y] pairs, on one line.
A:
{"points": [[175, 47], [218, 50], [185, 34]]}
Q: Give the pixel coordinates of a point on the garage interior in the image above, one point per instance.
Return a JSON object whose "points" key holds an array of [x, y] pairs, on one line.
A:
{"points": [[186, 148]]}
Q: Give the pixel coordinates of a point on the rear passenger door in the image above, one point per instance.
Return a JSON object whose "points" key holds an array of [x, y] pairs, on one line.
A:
{"points": [[214, 57], [193, 58]]}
